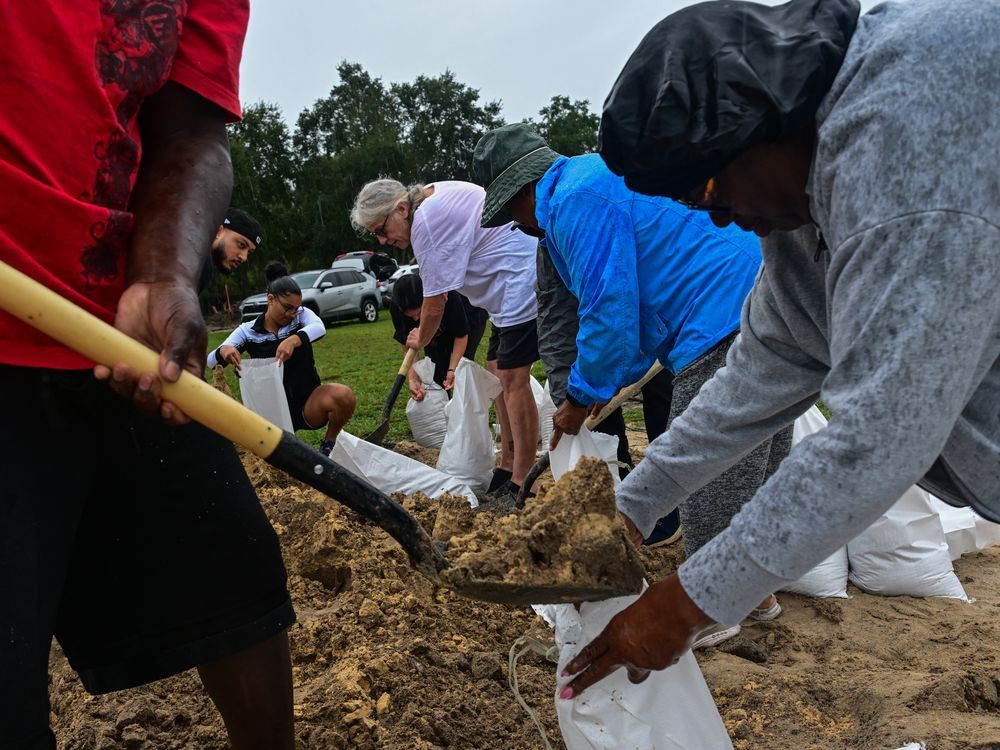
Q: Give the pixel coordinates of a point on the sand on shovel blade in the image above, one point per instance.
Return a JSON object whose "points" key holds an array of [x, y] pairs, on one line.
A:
{"points": [[567, 544]]}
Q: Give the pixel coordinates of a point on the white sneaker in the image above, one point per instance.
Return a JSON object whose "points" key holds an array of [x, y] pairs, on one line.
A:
{"points": [[766, 614], [715, 634]]}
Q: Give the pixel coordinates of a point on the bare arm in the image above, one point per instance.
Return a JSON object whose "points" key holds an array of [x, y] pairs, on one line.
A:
{"points": [[181, 195], [431, 313]]}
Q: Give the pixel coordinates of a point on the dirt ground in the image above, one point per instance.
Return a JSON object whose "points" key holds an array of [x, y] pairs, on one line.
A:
{"points": [[383, 659]]}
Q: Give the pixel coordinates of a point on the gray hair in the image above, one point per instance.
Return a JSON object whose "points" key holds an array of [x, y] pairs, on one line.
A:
{"points": [[379, 198]]}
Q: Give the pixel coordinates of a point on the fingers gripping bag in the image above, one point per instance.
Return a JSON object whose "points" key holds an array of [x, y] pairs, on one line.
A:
{"points": [[262, 390], [468, 451], [672, 709], [427, 419]]}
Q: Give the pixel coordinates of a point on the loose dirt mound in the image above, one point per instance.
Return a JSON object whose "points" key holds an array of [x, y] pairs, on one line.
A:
{"points": [[382, 659]]}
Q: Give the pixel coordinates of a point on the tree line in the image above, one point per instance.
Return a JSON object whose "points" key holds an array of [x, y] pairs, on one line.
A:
{"points": [[300, 182]]}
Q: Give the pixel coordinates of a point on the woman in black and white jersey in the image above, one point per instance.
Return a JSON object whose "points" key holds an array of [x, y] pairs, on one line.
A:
{"points": [[285, 331]]}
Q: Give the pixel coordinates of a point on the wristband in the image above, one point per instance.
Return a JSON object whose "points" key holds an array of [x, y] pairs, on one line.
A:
{"points": [[451, 369]]}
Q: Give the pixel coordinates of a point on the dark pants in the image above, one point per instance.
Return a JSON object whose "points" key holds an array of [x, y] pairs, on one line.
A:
{"points": [[656, 398], [709, 510], [141, 547]]}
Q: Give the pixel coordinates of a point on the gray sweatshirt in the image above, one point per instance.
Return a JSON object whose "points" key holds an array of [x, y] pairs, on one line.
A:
{"points": [[896, 326]]}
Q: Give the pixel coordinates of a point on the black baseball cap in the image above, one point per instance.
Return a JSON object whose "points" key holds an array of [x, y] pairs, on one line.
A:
{"points": [[243, 223]]}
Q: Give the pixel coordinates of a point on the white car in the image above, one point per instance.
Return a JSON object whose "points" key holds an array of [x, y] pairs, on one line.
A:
{"points": [[389, 283]]}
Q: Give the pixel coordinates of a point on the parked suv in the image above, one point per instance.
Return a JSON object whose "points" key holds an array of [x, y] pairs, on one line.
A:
{"points": [[379, 265], [333, 294]]}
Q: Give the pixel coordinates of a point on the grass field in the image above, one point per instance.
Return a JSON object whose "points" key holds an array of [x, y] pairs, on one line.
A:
{"points": [[365, 357]]}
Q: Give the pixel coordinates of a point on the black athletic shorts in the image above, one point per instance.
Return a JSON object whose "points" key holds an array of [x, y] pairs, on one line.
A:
{"points": [[513, 346], [141, 547]]}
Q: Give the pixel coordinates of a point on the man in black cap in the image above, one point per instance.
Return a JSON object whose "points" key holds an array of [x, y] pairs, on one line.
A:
{"points": [[238, 236], [866, 151]]}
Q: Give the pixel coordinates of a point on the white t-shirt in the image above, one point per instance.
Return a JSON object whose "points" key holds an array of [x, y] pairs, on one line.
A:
{"points": [[494, 268]]}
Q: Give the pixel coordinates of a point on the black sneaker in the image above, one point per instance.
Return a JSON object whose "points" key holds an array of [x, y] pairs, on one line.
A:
{"points": [[500, 477], [666, 531], [502, 500]]}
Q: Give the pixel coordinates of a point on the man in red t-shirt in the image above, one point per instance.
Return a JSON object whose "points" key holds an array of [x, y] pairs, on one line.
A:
{"points": [[140, 546]]}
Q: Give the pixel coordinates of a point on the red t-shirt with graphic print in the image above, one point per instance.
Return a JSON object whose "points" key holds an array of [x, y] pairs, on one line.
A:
{"points": [[75, 76]]}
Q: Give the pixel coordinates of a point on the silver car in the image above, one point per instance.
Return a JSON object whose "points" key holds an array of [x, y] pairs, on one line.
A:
{"points": [[333, 294]]}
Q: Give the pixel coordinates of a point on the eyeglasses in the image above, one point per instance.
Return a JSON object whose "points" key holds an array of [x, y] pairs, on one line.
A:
{"points": [[380, 232], [287, 308], [703, 198]]}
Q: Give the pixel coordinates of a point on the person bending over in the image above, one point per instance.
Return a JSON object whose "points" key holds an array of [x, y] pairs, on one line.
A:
{"points": [[494, 268], [458, 335], [285, 331], [653, 280], [866, 152]]}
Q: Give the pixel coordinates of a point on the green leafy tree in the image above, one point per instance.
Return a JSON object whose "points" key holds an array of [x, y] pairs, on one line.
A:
{"points": [[356, 111], [569, 127], [442, 121], [264, 170]]}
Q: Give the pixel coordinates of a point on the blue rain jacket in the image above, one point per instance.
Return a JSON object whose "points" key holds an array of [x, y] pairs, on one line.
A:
{"points": [[654, 280]]}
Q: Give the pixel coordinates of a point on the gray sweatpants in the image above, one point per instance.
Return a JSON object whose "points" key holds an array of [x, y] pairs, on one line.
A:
{"points": [[709, 510]]}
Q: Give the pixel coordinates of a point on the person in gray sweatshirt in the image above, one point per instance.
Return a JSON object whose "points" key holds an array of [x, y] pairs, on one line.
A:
{"points": [[866, 151]]}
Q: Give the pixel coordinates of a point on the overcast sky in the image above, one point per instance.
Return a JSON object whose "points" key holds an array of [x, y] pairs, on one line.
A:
{"points": [[522, 52]]}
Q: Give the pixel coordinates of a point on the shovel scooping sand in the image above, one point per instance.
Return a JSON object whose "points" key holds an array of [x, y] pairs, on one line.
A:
{"points": [[542, 542]]}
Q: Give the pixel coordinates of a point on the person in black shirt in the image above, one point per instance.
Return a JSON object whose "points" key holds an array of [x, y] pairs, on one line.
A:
{"points": [[458, 336], [285, 331]]}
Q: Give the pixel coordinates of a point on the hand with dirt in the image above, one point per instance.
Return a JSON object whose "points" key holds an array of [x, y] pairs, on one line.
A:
{"points": [[230, 355], [449, 380], [286, 348], [165, 316], [651, 633], [567, 419], [416, 387]]}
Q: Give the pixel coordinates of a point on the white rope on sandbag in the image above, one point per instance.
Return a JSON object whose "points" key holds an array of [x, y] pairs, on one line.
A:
{"points": [[546, 651]]}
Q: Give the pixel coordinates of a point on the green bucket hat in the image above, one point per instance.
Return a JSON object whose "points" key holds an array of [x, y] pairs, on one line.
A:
{"points": [[505, 160]]}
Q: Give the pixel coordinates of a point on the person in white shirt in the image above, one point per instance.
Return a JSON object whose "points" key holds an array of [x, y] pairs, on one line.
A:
{"points": [[493, 267]]}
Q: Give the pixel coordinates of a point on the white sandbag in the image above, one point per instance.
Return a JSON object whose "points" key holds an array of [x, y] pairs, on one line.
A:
{"points": [[468, 449], [427, 419], [987, 533], [672, 710], [964, 529], [262, 391], [828, 578], [392, 472], [546, 410], [595, 444], [904, 553], [959, 526]]}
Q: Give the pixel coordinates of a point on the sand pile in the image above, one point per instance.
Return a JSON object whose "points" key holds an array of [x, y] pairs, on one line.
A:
{"points": [[383, 659]]}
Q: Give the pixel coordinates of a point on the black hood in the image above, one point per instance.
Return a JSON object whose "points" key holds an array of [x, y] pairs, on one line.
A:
{"points": [[713, 79]]}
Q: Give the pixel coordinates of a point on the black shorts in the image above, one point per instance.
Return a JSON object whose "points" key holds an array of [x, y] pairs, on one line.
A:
{"points": [[142, 548], [513, 346]]}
